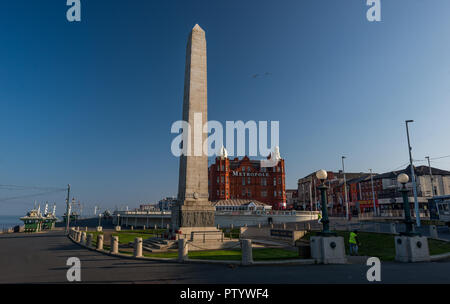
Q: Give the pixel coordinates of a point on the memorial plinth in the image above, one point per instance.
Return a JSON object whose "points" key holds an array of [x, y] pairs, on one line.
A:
{"points": [[328, 249], [411, 249]]}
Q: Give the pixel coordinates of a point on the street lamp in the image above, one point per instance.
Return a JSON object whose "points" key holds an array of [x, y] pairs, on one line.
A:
{"points": [[403, 179], [99, 219], [322, 176], [345, 190], [413, 175], [373, 194]]}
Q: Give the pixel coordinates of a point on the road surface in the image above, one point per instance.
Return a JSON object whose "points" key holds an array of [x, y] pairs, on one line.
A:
{"points": [[41, 258]]}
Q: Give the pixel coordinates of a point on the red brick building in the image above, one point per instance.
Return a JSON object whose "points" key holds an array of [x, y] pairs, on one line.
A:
{"points": [[246, 179]]}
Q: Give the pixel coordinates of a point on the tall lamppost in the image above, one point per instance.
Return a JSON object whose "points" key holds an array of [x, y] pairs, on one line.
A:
{"points": [[99, 219], [322, 176], [413, 175], [373, 194], [403, 179], [345, 190]]}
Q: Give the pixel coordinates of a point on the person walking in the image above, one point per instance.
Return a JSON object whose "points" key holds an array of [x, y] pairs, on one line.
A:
{"points": [[319, 216], [354, 242]]}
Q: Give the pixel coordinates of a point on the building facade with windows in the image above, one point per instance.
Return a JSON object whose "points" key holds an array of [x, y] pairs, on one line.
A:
{"points": [[360, 196], [247, 179]]}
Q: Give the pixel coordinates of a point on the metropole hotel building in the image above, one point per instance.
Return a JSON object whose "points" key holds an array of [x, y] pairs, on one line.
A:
{"points": [[231, 179]]}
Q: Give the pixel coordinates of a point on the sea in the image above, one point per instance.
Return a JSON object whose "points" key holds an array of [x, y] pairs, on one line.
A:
{"points": [[9, 221]]}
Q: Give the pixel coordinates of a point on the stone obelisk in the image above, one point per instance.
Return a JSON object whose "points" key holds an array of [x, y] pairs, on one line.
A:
{"points": [[193, 211]]}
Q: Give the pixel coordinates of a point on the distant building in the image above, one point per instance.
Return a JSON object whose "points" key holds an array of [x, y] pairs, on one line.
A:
{"points": [[240, 204], [386, 187], [246, 179], [147, 207], [292, 199], [360, 194], [309, 196], [167, 203], [164, 204]]}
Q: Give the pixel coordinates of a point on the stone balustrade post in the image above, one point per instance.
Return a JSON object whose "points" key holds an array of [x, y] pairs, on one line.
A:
{"points": [[183, 250], [247, 253], [137, 247], [89, 240], [83, 238], [433, 232], [393, 228], [114, 244], [100, 242]]}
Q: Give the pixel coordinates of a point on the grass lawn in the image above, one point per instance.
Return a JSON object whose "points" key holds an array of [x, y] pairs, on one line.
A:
{"points": [[260, 254], [129, 235], [233, 233], [382, 245]]}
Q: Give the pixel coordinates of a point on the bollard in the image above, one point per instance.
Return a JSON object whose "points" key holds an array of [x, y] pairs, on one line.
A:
{"points": [[83, 238], [247, 254], [183, 249], [100, 242], [78, 236], [114, 244], [393, 228], [433, 232], [89, 239], [137, 247]]}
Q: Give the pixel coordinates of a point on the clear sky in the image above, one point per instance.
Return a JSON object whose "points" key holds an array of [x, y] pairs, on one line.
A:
{"points": [[91, 103]]}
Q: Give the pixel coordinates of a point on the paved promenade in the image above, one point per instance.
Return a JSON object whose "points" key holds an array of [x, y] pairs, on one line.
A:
{"points": [[41, 258]]}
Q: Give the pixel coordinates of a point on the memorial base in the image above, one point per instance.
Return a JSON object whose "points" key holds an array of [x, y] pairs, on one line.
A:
{"points": [[411, 249], [328, 249]]}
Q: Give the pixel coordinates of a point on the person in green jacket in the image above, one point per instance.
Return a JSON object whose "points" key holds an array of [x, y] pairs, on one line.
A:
{"points": [[353, 242]]}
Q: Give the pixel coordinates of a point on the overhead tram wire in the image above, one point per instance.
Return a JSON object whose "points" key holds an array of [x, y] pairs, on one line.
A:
{"points": [[440, 157], [47, 190], [16, 187]]}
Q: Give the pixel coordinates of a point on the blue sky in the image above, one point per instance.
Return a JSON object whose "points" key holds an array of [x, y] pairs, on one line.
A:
{"points": [[91, 103]]}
